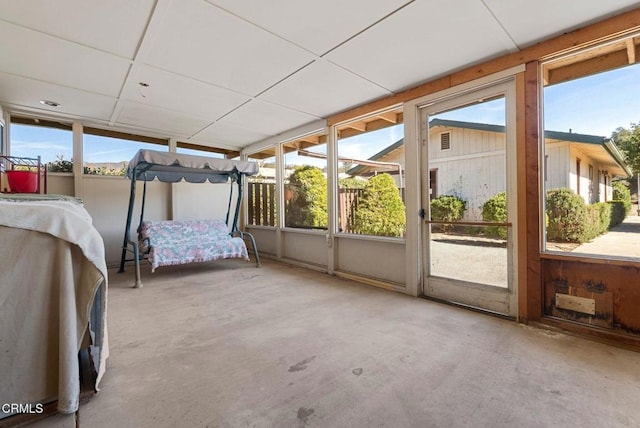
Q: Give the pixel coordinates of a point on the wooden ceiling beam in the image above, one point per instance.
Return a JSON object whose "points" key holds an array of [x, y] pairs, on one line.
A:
{"points": [[347, 130], [390, 116], [588, 67], [358, 126], [631, 51], [304, 142], [192, 146], [265, 154], [618, 26]]}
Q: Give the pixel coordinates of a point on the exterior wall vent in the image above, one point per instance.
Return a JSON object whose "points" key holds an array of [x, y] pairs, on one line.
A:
{"points": [[445, 141]]}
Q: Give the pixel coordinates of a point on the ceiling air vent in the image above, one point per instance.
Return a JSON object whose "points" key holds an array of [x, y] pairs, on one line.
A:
{"points": [[445, 141]]}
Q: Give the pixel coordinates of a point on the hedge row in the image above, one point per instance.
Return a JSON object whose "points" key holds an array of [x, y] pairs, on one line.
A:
{"points": [[570, 219], [622, 193]]}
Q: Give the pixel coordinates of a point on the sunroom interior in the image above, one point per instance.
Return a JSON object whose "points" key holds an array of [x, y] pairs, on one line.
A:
{"points": [[366, 120]]}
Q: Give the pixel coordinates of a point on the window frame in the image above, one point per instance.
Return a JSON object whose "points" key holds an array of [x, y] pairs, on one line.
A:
{"points": [[603, 176]]}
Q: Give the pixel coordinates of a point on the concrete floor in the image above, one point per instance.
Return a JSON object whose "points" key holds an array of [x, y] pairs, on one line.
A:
{"points": [[621, 241], [226, 344]]}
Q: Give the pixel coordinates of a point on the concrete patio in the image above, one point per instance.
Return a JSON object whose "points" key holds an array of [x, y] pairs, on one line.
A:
{"points": [[621, 241], [229, 345]]}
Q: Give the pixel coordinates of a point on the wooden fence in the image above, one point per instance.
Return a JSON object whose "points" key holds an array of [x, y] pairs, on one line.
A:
{"points": [[262, 205], [347, 205]]}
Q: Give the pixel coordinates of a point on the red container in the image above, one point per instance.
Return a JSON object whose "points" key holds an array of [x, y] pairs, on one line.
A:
{"points": [[23, 181]]}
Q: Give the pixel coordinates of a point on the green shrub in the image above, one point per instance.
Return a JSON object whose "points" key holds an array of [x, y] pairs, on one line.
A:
{"points": [[380, 209], [567, 213], [60, 165], [352, 183], [617, 212], [571, 220], [307, 207], [597, 220], [447, 208], [604, 217], [622, 193], [495, 210]]}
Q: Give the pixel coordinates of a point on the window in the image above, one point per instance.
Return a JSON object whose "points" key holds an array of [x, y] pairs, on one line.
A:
{"points": [[53, 142], [104, 154], [445, 141], [305, 183], [581, 212], [262, 205], [370, 181]]}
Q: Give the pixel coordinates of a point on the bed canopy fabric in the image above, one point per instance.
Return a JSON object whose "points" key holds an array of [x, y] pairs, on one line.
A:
{"points": [[148, 165]]}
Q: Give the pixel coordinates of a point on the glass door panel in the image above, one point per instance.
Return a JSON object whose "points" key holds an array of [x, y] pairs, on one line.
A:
{"points": [[469, 231]]}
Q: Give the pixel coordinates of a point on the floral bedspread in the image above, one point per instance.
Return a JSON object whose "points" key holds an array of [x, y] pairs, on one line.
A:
{"points": [[187, 241]]}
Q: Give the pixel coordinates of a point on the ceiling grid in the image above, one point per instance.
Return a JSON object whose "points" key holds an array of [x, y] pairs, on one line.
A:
{"points": [[229, 73]]}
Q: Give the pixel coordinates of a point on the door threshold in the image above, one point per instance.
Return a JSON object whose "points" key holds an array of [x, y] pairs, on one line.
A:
{"points": [[469, 307]]}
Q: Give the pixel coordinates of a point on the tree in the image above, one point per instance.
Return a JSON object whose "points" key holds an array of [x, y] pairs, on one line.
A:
{"points": [[307, 200], [380, 209], [628, 141], [352, 183]]}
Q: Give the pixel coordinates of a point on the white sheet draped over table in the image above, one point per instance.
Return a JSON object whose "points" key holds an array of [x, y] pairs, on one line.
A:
{"points": [[53, 282]]}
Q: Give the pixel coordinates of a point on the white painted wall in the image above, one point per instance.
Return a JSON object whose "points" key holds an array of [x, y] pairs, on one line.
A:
{"points": [[590, 192], [60, 183], [474, 168], [199, 201], [557, 158], [265, 239], [382, 260], [310, 248], [464, 142], [574, 177], [474, 178]]}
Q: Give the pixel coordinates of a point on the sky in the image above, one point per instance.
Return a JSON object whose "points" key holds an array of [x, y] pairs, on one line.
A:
{"points": [[595, 105]]}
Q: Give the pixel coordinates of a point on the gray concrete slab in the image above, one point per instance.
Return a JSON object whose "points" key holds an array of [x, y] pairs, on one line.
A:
{"points": [[622, 240], [56, 421], [230, 345]]}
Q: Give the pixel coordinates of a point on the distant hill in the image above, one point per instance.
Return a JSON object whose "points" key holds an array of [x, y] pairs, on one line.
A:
{"points": [[105, 168], [107, 165]]}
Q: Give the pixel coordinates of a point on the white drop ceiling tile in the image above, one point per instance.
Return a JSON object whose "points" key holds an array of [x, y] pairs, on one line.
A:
{"points": [[424, 40], [21, 92], [528, 22], [199, 40], [323, 89], [173, 122], [176, 92], [225, 134], [115, 26], [316, 25], [266, 118], [54, 60]]}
